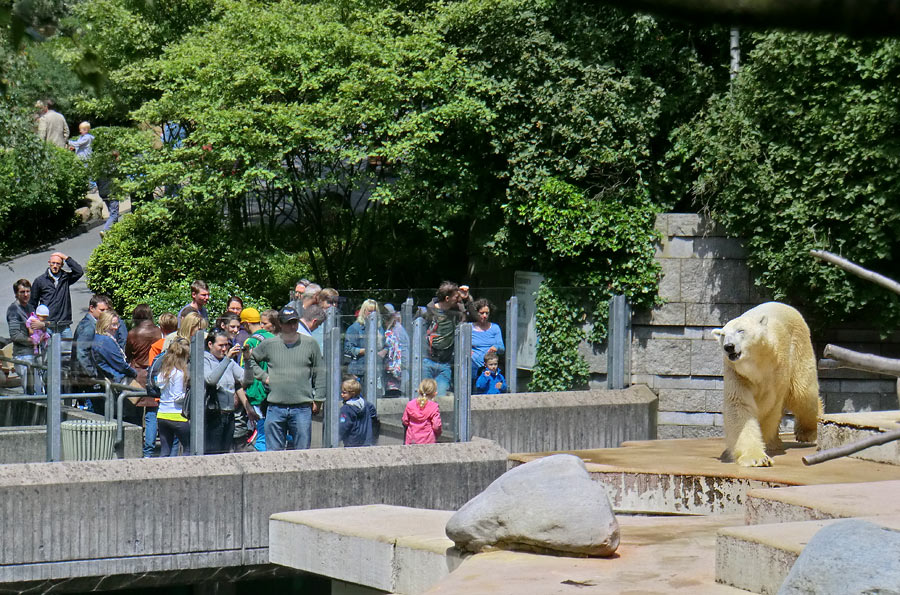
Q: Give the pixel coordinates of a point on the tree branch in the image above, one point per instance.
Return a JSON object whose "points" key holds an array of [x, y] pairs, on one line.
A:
{"points": [[860, 18], [857, 270], [849, 449], [846, 358]]}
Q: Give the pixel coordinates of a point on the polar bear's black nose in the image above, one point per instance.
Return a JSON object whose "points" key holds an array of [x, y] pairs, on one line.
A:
{"points": [[728, 347]]}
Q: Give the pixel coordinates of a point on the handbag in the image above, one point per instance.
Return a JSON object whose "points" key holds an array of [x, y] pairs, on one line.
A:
{"points": [[211, 399]]}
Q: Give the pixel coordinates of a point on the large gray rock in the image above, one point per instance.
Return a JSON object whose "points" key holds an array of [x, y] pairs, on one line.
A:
{"points": [[850, 557], [550, 505]]}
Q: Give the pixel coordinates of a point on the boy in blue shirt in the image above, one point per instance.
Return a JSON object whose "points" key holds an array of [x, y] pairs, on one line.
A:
{"points": [[491, 382], [358, 418]]}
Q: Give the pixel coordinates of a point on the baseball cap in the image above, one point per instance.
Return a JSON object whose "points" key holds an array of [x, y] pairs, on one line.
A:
{"points": [[287, 314], [250, 315]]}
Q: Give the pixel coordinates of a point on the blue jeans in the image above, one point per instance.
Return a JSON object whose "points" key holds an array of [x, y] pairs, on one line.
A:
{"points": [[113, 206], [260, 443], [442, 374], [284, 419], [150, 432]]}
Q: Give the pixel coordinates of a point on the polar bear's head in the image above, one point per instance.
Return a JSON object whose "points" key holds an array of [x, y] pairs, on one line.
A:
{"points": [[741, 335]]}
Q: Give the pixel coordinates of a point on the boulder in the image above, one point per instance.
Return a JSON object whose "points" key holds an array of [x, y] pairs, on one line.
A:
{"points": [[847, 558], [549, 505]]}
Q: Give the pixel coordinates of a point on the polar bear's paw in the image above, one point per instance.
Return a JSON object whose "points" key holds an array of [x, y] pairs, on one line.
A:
{"points": [[754, 459]]}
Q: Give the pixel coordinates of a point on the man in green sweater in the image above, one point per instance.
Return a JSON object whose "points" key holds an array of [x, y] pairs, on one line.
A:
{"points": [[293, 364]]}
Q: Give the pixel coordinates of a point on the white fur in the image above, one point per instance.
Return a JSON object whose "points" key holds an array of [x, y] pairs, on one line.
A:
{"points": [[769, 367]]}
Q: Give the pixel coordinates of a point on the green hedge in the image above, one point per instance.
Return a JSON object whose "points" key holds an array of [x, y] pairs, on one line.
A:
{"points": [[41, 185], [152, 256]]}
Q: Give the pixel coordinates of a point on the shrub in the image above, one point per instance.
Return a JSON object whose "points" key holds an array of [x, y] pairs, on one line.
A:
{"points": [[152, 256], [41, 185]]}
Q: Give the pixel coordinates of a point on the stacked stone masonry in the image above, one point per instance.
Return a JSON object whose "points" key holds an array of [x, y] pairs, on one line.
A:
{"points": [[705, 283]]}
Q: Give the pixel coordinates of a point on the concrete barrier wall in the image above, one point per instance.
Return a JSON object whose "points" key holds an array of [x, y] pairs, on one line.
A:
{"points": [[27, 443], [540, 422], [92, 519]]}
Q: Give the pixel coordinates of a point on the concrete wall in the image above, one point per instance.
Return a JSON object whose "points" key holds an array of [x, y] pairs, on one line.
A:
{"points": [[23, 432], [87, 520], [706, 282], [541, 422]]}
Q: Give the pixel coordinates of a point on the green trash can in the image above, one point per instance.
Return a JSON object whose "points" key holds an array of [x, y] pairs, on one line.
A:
{"points": [[88, 440]]}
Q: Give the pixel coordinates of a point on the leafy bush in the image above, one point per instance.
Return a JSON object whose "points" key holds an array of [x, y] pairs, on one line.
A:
{"points": [[41, 185], [152, 256]]}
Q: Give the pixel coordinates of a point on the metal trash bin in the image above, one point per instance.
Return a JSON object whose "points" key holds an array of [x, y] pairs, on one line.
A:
{"points": [[88, 440]]}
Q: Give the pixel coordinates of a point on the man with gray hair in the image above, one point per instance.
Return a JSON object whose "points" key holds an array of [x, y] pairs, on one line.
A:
{"points": [[52, 126], [312, 317], [309, 297]]}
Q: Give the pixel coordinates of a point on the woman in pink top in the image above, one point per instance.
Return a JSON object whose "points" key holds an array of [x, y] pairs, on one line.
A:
{"points": [[422, 416]]}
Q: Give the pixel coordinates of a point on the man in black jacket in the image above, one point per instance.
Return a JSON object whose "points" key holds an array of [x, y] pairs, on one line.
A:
{"points": [[52, 290]]}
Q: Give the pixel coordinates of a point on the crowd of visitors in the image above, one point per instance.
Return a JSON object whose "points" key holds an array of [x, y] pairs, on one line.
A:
{"points": [[263, 371]]}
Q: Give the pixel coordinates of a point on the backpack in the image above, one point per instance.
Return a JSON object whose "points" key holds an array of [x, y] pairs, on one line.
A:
{"points": [[153, 388]]}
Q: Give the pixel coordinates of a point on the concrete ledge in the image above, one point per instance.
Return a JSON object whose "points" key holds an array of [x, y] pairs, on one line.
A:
{"points": [[844, 428], [391, 548], [540, 422], [688, 476], [434, 476], [89, 518], [809, 503], [757, 558]]}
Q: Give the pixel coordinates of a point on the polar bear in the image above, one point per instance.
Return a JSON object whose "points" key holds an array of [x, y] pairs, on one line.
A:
{"points": [[769, 367]]}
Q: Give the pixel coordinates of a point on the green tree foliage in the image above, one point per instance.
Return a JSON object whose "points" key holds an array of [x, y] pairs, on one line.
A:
{"points": [[585, 97], [319, 115], [803, 154], [409, 139], [112, 43], [153, 255], [40, 184]]}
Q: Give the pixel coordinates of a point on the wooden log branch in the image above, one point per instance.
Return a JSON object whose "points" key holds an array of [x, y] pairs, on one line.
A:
{"points": [[867, 362], [849, 449], [867, 18], [857, 270]]}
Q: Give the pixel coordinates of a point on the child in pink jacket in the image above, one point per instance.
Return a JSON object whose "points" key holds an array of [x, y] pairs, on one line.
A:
{"points": [[422, 416]]}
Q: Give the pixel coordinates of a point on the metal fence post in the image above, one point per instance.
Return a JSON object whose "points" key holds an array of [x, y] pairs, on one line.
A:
{"points": [[333, 356], [108, 402], [462, 355], [371, 386], [54, 402], [618, 344], [406, 320], [512, 344], [406, 315], [417, 348], [198, 394]]}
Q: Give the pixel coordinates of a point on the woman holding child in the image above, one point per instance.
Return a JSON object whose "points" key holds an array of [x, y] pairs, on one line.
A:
{"points": [[486, 336]]}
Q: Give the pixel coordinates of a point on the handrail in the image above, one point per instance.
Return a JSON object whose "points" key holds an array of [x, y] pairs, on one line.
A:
{"points": [[127, 391]]}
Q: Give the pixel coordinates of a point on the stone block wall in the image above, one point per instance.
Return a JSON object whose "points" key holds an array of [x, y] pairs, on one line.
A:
{"points": [[705, 283]]}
